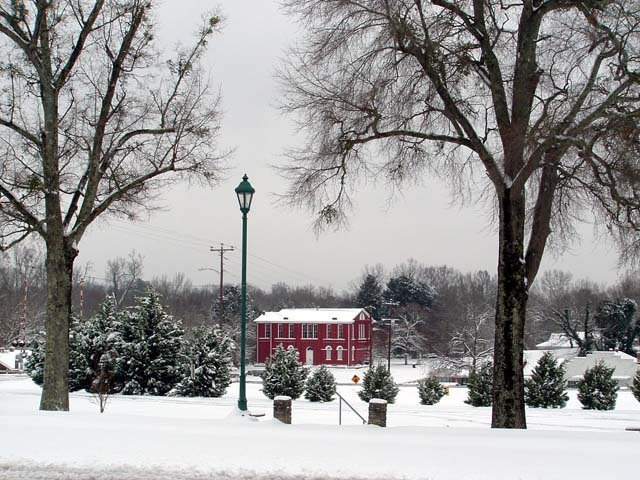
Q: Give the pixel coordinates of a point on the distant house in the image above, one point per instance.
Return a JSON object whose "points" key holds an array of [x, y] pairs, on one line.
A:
{"points": [[322, 336], [625, 366]]}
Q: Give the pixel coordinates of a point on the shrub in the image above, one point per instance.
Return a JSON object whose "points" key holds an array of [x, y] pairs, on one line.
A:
{"points": [[480, 386], [207, 364], [546, 388], [598, 390], [321, 386], [283, 374], [430, 391], [378, 383]]}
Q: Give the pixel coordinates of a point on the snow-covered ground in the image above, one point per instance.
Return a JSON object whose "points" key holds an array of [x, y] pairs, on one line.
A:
{"points": [[195, 438]]}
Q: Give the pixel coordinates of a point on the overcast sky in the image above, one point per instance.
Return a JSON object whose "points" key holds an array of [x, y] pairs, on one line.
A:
{"points": [[420, 224]]}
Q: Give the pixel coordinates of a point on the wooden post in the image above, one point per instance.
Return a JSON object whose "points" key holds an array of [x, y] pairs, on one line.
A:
{"points": [[378, 412], [282, 409]]}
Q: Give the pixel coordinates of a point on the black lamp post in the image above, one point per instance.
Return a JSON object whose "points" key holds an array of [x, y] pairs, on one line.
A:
{"points": [[245, 192]]}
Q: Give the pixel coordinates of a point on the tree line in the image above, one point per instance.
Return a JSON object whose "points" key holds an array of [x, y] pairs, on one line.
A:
{"points": [[438, 311]]}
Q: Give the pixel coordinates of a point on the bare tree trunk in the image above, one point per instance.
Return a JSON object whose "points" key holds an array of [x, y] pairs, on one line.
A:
{"points": [[59, 264], [508, 382]]}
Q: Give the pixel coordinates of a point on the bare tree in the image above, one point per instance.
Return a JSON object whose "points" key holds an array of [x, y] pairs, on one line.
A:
{"points": [[93, 122], [473, 340], [534, 100], [407, 337], [123, 274]]}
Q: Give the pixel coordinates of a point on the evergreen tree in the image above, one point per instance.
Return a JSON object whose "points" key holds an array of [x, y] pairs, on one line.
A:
{"points": [[321, 386], [34, 365], [546, 388], [98, 342], [207, 365], [430, 391], [378, 383], [480, 385], [149, 347], [283, 374], [635, 387], [78, 367], [405, 290], [370, 296], [598, 390], [618, 326]]}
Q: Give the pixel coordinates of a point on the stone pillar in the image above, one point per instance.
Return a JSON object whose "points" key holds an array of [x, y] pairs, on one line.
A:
{"points": [[378, 412], [282, 409]]}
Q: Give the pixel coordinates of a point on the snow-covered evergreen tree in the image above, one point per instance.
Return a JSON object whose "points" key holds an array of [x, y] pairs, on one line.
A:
{"points": [[78, 367], [598, 390], [480, 386], [284, 374], [635, 387], [378, 383], [321, 385], [370, 296], [98, 341], [150, 342], [546, 387], [34, 366], [207, 364], [430, 391]]}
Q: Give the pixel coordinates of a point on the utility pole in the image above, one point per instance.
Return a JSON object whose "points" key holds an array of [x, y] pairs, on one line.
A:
{"points": [[221, 250]]}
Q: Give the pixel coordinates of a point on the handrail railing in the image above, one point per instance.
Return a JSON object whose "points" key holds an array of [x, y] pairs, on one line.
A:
{"points": [[342, 399]]}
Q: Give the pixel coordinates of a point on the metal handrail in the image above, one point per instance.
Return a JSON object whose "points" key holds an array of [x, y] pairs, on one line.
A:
{"points": [[342, 399]]}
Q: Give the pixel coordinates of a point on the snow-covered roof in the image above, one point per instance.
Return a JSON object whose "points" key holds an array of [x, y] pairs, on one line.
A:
{"points": [[311, 315], [559, 340]]}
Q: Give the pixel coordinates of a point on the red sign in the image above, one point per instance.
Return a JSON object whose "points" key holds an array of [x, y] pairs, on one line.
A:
{"points": [[355, 379]]}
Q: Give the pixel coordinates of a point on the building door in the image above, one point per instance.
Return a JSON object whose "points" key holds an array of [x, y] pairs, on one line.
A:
{"points": [[309, 357]]}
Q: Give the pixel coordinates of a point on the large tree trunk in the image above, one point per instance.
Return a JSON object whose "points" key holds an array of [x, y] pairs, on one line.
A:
{"points": [[508, 377], [59, 264]]}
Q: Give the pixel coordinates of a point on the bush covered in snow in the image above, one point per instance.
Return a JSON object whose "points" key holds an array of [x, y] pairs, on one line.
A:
{"points": [[635, 387], [283, 374], [137, 350], [546, 388], [207, 362], [378, 383], [430, 391], [321, 386], [598, 390], [479, 386]]}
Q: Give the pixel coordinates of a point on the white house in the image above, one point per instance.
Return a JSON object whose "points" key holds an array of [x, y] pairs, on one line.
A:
{"points": [[625, 366]]}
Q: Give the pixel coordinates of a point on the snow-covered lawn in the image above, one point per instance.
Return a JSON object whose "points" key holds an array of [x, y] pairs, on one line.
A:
{"points": [[195, 438]]}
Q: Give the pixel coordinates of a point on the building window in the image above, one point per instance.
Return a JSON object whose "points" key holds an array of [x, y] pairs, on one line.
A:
{"points": [[267, 330], [361, 331], [328, 350], [339, 354], [280, 330], [291, 330], [353, 354], [328, 331], [340, 331], [309, 330], [361, 315]]}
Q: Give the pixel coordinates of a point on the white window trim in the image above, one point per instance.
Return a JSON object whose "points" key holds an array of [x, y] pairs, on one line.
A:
{"points": [[339, 352], [328, 353]]}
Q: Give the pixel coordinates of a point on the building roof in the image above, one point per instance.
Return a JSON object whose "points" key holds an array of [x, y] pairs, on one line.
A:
{"points": [[559, 340], [311, 315]]}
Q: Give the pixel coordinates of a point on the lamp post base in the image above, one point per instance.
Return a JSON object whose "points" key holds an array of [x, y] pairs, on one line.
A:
{"points": [[242, 405]]}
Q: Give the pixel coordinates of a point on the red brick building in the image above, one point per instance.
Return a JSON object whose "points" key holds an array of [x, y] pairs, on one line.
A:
{"points": [[322, 336]]}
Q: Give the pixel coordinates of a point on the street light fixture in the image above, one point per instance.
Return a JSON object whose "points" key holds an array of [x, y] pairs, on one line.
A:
{"points": [[245, 192]]}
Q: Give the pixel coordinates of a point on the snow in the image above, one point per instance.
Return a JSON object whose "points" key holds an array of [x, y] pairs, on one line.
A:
{"points": [[310, 315], [282, 398], [146, 437], [378, 401]]}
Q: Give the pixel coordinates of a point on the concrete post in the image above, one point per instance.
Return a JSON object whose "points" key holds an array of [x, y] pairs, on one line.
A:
{"points": [[378, 412], [282, 409]]}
